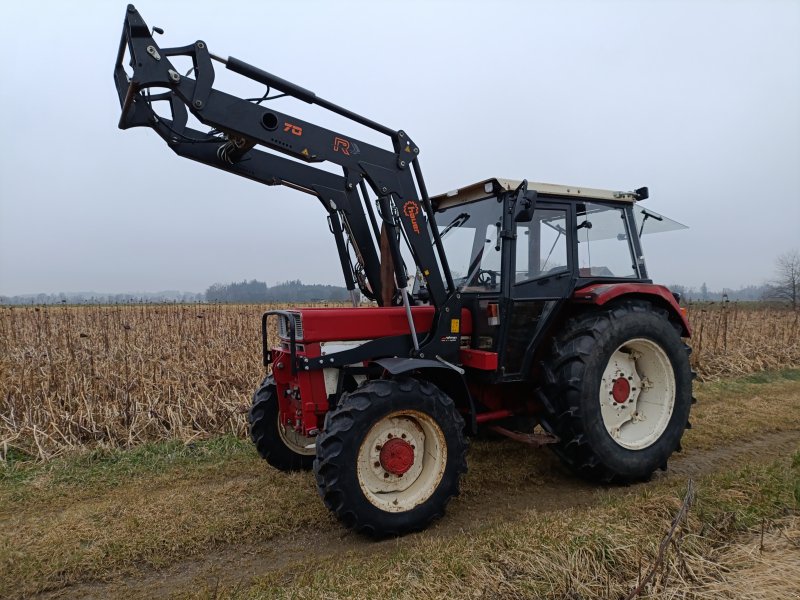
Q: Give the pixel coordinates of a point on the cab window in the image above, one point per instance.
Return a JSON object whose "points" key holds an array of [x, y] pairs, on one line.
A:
{"points": [[541, 245], [604, 248]]}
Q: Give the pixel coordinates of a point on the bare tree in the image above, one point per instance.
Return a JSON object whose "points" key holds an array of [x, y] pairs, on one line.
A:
{"points": [[786, 285]]}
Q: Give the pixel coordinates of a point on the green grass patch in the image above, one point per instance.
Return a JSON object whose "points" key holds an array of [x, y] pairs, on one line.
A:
{"points": [[109, 467], [771, 376]]}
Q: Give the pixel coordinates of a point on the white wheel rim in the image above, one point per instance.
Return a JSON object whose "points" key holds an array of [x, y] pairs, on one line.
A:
{"points": [[637, 394], [419, 442], [295, 441]]}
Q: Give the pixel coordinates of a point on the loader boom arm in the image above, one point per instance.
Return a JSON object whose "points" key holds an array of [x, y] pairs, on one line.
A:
{"points": [[275, 148]]}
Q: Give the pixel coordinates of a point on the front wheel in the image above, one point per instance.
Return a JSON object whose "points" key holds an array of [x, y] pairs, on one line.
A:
{"points": [[617, 392], [280, 446], [391, 456]]}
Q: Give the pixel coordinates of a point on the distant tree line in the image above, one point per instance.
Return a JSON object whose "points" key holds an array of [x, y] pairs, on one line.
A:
{"points": [[749, 293], [104, 298], [783, 288], [287, 291]]}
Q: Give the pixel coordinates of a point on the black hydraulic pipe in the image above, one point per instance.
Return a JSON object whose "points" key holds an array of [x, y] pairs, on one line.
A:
{"points": [[391, 231], [251, 72], [371, 211], [301, 93], [344, 259], [437, 238]]}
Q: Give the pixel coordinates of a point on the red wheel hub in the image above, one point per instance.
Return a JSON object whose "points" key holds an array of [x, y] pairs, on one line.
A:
{"points": [[397, 456], [621, 390]]}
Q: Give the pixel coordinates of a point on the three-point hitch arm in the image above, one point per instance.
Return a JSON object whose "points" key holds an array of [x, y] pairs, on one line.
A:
{"points": [[253, 141]]}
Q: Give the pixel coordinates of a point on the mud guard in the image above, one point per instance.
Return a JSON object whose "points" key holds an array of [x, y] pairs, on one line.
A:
{"points": [[602, 293], [450, 380]]}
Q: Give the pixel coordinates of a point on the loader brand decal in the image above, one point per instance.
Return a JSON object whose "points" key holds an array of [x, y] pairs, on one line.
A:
{"points": [[344, 146], [449, 338], [293, 129], [411, 210]]}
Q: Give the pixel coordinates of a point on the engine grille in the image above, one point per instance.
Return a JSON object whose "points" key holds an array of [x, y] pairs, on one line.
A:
{"points": [[283, 326]]}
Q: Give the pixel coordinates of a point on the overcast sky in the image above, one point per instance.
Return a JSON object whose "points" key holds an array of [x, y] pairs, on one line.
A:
{"points": [[698, 100]]}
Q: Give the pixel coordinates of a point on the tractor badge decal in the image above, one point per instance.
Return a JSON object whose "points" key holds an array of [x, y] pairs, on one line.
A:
{"points": [[411, 210], [293, 129], [344, 146]]}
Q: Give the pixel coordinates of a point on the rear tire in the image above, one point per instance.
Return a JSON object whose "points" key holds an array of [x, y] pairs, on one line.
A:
{"points": [[617, 392], [391, 456], [281, 447]]}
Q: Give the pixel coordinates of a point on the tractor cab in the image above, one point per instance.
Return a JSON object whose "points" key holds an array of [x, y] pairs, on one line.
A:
{"points": [[518, 257]]}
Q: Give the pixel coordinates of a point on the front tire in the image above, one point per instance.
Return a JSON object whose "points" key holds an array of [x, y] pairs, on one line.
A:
{"points": [[391, 456], [617, 392], [281, 447]]}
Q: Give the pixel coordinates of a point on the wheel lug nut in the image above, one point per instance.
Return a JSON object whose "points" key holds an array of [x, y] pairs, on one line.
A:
{"points": [[403, 436], [378, 447], [385, 475], [390, 436], [377, 463]]}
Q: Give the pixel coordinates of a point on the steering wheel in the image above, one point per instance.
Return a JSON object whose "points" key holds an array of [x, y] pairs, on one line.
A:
{"points": [[487, 278]]}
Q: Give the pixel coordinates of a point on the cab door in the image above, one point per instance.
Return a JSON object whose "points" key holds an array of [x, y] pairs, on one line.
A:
{"points": [[542, 266]]}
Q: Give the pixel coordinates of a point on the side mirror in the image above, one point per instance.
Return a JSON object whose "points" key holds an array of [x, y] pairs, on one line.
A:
{"points": [[526, 207]]}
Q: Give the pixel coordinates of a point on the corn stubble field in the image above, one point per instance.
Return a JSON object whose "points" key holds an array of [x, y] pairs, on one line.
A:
{"points": [[116, 376], [125, 474]]}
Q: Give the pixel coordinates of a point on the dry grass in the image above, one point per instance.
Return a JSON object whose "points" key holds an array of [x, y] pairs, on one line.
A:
{"points": [[118, 376], [90, 518], [598, 552], [761, 564], [522, 528], [730, 340]]}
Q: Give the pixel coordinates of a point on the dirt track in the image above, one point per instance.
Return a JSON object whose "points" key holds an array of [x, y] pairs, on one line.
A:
{"points": [[549, 488]]}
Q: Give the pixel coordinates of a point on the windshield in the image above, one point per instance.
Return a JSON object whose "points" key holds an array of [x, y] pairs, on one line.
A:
{"points": [[470, 235], [470, 238], [649, 221]]}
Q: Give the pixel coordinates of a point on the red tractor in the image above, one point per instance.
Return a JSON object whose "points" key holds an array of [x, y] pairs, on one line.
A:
{"points": [[529, 308]]}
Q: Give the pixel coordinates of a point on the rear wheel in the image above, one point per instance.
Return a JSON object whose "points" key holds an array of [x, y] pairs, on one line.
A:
{"points": [[617, 392], [391, 456], [281, 446]]}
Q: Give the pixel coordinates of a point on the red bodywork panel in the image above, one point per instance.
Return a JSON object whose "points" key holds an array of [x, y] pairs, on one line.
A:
{"points": [[602, 293], [302, 397], [368, 323], [479, 359]]}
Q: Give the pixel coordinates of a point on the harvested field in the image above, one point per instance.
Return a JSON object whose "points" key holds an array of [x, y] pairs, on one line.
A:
{"points": [[731, 339], [118, 376]]}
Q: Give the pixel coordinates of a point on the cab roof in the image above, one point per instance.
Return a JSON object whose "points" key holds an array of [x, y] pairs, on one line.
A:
{"points": [[481, 189]]}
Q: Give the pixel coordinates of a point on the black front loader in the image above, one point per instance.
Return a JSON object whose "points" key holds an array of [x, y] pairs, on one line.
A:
{"points": [[253, 141]]}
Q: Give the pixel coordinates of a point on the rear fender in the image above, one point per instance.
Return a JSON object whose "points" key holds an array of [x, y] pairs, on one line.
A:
{"points": [[599, 294]]}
